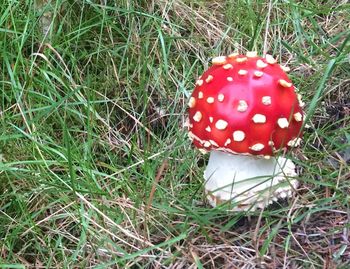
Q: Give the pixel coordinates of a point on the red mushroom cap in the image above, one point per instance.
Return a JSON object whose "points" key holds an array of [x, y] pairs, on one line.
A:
{"points": [[245, 104]]}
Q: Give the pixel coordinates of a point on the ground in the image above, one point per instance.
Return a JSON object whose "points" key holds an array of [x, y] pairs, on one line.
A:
{"points": [[96, 169]]}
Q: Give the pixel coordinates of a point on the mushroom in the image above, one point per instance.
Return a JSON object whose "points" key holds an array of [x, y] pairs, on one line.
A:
{"points": [[244, 110]]}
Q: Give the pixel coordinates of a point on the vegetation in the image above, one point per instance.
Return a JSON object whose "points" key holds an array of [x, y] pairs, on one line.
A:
{"points": [[96, 169]]}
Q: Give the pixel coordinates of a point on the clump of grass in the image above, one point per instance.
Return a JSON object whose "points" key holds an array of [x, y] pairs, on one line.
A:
{"points": [[95, 167]]}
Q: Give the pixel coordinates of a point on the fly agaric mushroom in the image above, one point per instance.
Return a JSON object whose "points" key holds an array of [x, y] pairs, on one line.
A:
{"points": [[244, 110]]}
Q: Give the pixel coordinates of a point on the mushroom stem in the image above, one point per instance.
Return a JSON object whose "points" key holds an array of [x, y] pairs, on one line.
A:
{"points": [[248, 181]]}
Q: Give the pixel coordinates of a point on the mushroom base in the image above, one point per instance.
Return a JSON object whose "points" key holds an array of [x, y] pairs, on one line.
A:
{"points": [[248, 182]]}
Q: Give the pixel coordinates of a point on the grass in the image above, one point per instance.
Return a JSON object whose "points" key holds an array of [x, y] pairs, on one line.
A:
{"points": [[96, 169]]}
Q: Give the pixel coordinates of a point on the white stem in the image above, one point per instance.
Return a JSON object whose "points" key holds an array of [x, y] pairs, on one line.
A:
{"points": [[248, 181]]}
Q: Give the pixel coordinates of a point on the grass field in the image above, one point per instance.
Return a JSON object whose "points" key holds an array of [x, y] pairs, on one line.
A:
{"points": [[96, 170]]}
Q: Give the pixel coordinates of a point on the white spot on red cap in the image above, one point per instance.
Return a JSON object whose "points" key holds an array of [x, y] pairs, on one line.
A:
{"points": [[192, 102], [269, 59], [221, 97], [298, 116], [270, 143], [258, 74], [301, 103], [241, 59], [261, 64], [229, 79], [209, 78], [251, 54], [259, 118], [266, 100], [227, 142], [200, 95], [210, 100], [283, 123], [198, 116], [213, 143], [207, 144], [227, 66], [193, 136], [219, 60], [233, 55], [186, 123], [190, 135], [257, 147], [242, 72], [211, 119], [208, 129], [285, 83], [199, 82], [294, 142], [238, 136], [285, 68], [242, 106], [221, 124]]}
